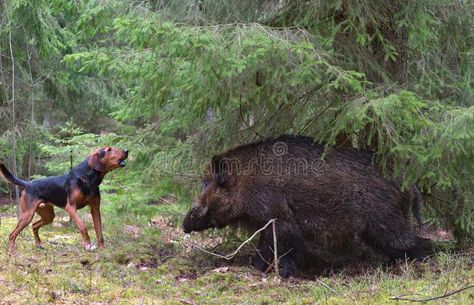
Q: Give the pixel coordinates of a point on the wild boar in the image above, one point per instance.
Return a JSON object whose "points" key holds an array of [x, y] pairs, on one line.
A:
{"points": [[326, 206]]}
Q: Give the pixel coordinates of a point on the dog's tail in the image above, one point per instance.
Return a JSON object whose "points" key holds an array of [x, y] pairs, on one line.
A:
{"points": [[10, 177]]}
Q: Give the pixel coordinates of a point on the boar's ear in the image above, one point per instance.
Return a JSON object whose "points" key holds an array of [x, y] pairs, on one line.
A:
{"points": [[218, 170]]}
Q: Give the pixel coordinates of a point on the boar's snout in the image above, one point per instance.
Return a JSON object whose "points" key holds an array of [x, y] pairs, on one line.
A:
{"points": [[196, 220], [186, 228]]}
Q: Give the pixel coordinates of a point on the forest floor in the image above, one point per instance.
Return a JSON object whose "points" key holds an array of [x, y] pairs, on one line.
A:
{"points": [[150, 261]]}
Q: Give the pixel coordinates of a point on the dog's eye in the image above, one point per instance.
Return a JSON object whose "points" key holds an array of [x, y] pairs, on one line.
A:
{"points": [[205, 184]]}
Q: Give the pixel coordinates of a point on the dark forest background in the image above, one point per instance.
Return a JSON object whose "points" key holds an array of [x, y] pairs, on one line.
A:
{"points": [[178, 81]]}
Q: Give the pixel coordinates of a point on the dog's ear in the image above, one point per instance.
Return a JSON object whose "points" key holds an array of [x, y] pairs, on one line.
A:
{"points": [[94, 161], [102, 153]]}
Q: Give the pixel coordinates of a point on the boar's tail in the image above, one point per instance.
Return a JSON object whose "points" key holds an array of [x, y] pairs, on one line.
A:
{"points": [[6, 173], [416, 207]]}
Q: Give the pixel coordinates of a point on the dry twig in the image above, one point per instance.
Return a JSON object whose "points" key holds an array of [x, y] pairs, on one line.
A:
{"points": [[402, 298], [275, 251], [231, 255]]}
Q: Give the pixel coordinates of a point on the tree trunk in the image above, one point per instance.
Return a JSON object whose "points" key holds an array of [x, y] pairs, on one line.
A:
{"points": [[32, 98], [15, 172]]}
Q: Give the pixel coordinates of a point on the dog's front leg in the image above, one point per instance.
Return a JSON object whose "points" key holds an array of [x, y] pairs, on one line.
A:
{"points": [[72, 210], [95, 212]]}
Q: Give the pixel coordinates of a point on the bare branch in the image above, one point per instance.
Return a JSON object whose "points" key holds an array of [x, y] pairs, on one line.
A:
{"points": [[275, 251], [332, 289], [402, 298], [231, 255], [263, 259]]}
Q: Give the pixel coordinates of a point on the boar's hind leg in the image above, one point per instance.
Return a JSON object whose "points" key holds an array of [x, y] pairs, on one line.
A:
{"points": [[264, 257], [420, 250], [396, 244]]}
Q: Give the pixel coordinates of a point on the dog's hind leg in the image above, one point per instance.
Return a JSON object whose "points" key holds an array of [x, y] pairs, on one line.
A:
{"points": [[27, 211], [47, 215]]}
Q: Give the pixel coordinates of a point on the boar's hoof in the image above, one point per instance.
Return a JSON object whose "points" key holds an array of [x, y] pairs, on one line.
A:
{"points": [[287, 266], [258, 263]]}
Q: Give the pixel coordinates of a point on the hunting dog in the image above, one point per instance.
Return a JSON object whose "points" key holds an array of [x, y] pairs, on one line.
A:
{"points": [[71, 191]]}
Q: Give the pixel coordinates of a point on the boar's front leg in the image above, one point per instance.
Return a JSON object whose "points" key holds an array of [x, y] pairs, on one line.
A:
{"points": [[263, 256], [263, 260]]}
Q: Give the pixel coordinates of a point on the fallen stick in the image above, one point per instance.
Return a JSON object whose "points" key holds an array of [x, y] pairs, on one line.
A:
{"points": [[275, 251], [401, 298], [231, 255]]}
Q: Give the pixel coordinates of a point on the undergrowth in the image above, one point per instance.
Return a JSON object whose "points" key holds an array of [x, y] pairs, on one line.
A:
{"points": [[148, 260]]}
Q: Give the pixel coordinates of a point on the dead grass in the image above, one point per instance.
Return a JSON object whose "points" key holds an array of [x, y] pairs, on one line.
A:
{"points": [[148, 263]]}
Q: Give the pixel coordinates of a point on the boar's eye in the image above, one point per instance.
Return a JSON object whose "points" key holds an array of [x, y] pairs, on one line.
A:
{"points": [[205, 184]]}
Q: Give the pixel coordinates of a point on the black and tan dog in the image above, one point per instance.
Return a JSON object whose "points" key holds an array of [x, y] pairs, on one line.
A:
{"points": [[71, 191]]}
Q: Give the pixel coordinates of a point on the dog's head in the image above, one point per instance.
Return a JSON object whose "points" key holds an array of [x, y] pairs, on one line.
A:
{"points": [[107, 158]]}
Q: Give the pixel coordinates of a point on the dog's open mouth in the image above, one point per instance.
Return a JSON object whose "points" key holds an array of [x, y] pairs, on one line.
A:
{"points": [[121, 163]]}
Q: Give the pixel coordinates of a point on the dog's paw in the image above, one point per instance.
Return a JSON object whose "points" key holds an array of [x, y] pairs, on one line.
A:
{"points": [[89, 247]]}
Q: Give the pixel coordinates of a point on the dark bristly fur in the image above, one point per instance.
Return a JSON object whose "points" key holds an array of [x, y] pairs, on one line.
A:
{"points": [[329, 212]]}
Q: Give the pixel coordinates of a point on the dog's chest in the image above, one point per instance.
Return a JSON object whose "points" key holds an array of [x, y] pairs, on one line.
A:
{"points": [[89, 186]]}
